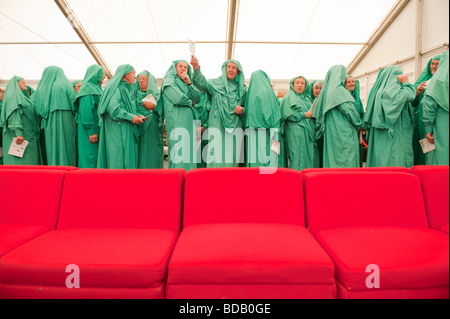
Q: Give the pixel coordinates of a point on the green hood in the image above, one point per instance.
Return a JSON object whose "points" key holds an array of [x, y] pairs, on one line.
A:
{"points": [[13, 99], [91, 82], [426, 74], [262, 104], [54, 92], [438, 87]]}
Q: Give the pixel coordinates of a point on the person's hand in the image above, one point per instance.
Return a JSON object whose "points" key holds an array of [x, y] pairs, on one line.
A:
{"points": [[430, 138], [194, 62], [19, 140], [143, 118], [149, 106], [203, 129], [137, 120], [403, 78], [185, 78], [93, 139], [309, 114], [421, 88], [239, 110]]}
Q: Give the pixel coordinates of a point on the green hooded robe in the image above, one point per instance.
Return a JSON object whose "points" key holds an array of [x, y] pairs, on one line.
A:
{"points": [[435, 106], [262, 122], [18, 118], [389, 119], [87, 104], [226, 95], [360, 108], [118, 140], [203, 110], [419, 130], [151, 139], [297, 129], [54, 100], [177, 100], [338, 121]]}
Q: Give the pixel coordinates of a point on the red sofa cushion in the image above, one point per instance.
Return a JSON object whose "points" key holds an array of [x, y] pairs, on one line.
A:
{"points": [[435, 188], [249, 254], [406, 257], [444, 229], [339, 199], [14, 235], [30, 196], [142, 199], [128, 258], [238, 195]]}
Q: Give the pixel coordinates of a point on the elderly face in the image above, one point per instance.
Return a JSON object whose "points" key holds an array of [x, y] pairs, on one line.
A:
{"points": [[103, 78], [143, 83], [182, 68], [434, 66], [299, 85], [22, 85], [232, 71], [350, 83], [316, 90], [130, 77]]}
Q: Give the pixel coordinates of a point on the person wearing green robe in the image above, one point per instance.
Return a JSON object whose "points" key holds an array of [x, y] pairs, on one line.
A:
{"points": [[151, 139], [226, 116], [298, 126], [54, 100], [419, 130], [262, 122], [354, 87], [118, 121], [316, 87], [389, 120], [178, 96], [86, 104], [19, 120], [338, 121], [435, 106], [203, 109]]}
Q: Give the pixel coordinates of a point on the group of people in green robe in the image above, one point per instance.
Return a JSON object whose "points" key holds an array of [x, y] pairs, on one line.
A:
{"points": [[223, 123]]}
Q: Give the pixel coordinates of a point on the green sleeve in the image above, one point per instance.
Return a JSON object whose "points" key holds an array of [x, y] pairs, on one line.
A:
{"points": [[195, 94], [348, 109], [117, 112], [88, 114], [429, 107], [200, 81], [176, 98], [297, 117], [15, 122]]}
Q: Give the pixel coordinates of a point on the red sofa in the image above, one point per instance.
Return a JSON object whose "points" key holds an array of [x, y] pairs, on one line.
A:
{"points": [[377, 218], [117, 226], [435, 187], [244, 236], [29, 204]]}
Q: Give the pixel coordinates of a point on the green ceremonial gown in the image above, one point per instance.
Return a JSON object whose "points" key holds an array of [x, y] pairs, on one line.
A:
{"points": [[54, 100], [389, 119], [419, 130], [19, 118], [118, 140], [87, 104], [435, 107], [298, 130], [360, 108], [262, 122], [182, 119], [338, 121], [151, 139], [225, 128]]}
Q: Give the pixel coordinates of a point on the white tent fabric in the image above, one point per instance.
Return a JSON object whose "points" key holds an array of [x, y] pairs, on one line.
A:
{"points": [[285, 38]]}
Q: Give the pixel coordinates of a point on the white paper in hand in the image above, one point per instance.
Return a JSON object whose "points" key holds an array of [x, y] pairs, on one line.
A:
{"points": [[427, 146], [17, 150], [149, 98], [191, 46]]}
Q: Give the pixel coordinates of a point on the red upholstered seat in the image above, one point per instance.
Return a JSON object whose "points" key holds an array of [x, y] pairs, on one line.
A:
{"points": [[365, 218], [29, 204], [435, 187], [117, 226], [244, 236]]}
